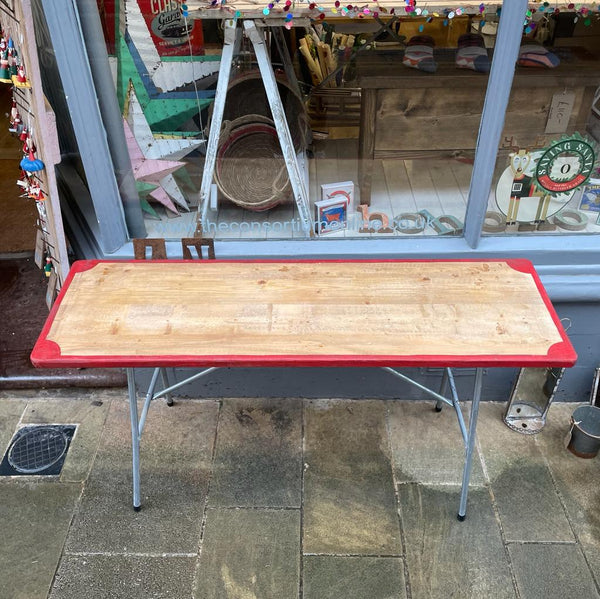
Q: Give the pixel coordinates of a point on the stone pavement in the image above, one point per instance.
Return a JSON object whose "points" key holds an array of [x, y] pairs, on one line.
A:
{"points": [[296, 499]]}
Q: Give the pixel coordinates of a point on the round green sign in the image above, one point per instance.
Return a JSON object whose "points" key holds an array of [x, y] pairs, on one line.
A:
{"points": [[565, 165]]}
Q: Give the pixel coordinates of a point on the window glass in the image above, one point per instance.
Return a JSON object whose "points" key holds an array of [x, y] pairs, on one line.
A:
{"points": [[383, 110], [546, 179]]}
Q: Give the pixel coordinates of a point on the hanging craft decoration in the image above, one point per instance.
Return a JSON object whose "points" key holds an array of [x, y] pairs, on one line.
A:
{"points": [[23, 182], [35, 192], [31, 164], [20, 79], [5, 76], [48, 266], [28, 144], [15, 122], [12, 58]]}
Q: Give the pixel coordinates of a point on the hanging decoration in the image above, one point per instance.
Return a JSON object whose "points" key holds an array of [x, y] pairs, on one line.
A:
{"points": [[5, 76], [35, 191], [30, 164], [12, 58], [330, 8], [28, 145], [48, 266], [20, 79], [15, 122]]}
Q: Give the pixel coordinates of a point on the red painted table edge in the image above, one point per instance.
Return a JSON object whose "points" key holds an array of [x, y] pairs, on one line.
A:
{"points": [[46, 353]]}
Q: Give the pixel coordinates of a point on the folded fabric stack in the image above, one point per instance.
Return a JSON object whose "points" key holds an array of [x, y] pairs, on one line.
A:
{"points": [[419, 53], [532, 55], [472, 54]]}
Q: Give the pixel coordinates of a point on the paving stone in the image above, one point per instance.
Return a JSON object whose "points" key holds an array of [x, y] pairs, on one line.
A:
{"points": [[577, 481], [525, 495], [176, 453], [35, 520], [258, 461], [89, 416], [349, 499], [336, 577], [448, 558], [551, 571], [11, 411], [250, 554], [123, 577], [427, 446]]}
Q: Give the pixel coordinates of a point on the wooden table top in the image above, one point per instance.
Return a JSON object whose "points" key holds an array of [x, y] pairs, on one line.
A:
{"points": [[302, 313]]}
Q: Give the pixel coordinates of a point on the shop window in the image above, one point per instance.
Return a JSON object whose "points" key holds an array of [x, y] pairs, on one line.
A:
{"points": [[383, 111], [546, 179]]}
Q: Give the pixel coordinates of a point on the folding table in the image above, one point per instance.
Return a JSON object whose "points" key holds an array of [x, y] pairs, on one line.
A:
{"points": [[353, 313]]}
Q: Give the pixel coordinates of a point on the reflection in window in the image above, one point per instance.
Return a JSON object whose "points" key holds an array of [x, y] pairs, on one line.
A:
{"points": [[546, 178], [383, 113]]}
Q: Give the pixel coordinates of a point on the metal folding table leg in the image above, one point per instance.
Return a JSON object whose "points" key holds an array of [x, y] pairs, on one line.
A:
{"points": [[165, 381], [470, 444], [443, 388], [135, 437]]}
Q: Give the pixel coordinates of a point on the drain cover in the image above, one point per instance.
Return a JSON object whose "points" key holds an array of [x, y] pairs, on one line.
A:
{"points": [[38, 450]]}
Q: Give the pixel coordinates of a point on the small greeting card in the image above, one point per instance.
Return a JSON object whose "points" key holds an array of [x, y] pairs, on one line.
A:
{"points": [[345, 189], [590, 198], [331, 215]]}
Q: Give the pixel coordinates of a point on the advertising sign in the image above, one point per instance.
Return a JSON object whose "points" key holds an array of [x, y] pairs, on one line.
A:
{"points": [[171, 33]]}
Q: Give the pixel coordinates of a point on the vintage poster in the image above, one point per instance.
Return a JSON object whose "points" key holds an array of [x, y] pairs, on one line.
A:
{"points": [[171, 33]]}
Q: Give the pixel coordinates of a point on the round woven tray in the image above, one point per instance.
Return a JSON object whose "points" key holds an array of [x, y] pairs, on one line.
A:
{"points": [[250, 169]]}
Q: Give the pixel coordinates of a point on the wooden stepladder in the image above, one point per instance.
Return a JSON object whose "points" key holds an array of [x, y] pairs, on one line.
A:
{"points": [[232, 33]]}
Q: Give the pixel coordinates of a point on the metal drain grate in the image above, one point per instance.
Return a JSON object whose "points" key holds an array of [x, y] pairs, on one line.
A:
{"points": [[39, 449]]}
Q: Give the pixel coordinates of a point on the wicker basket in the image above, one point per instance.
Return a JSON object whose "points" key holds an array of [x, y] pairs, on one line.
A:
{"points": [[250, 168], [246, 95]]}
